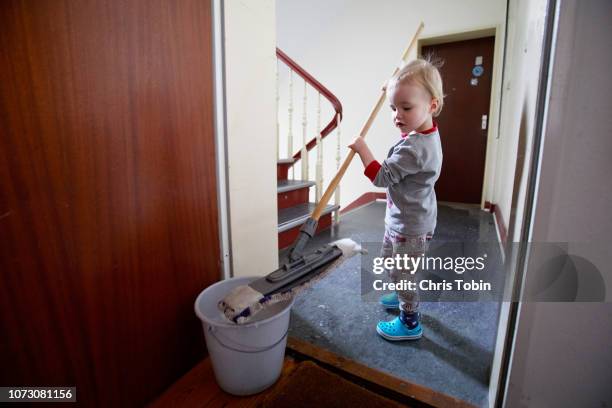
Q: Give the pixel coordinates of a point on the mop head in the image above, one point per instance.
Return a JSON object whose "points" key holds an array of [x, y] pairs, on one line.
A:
{"points": [[244, 302]]}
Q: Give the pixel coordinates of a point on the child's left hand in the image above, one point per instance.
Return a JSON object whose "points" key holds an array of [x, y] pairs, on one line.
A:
{"points": [[358, 144]]}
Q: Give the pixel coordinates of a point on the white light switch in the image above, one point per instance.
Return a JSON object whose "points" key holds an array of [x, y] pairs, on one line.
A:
{"points": [[478, 60], [484, 122]]}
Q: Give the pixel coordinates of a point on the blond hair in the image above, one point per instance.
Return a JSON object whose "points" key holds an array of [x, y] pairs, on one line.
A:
{"points": [[424, 72]]}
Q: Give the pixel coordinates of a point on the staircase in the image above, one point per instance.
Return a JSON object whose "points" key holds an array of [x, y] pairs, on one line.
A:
{"points": [[294, 206]]}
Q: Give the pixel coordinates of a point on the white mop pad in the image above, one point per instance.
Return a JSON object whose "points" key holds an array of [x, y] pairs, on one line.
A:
{"points": [[244, 302]]}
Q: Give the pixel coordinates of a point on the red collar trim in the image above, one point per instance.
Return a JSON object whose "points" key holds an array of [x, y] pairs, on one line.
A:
{"points": [[425, 132], [430, 130]]}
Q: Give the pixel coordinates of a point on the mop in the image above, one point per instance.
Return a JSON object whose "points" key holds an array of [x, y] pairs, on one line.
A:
{"points": [[302, 271]]}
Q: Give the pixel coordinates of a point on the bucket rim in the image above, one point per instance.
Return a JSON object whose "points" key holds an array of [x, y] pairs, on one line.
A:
{"points": [[227, 323]]}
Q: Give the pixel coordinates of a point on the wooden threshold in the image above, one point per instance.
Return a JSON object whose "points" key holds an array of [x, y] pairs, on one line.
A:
{"points": [[384, 384], [198, 388]]}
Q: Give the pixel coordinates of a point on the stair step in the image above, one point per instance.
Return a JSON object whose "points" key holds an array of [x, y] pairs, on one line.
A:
{"points": [[282, 168], [295, 216], [288, 237], [292, 193], [283, 186]]}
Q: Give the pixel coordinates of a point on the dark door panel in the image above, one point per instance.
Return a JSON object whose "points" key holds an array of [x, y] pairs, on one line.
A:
{"points": [[467, 86]]}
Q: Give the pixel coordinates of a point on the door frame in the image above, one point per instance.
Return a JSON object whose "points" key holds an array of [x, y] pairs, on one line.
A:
{"points": [[220, 116], [498, 33]]}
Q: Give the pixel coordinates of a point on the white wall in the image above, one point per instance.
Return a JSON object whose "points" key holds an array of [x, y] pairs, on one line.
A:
{"points": [[506, 170], [352, 47], [562, 355], [250, 58], [526, 20]]}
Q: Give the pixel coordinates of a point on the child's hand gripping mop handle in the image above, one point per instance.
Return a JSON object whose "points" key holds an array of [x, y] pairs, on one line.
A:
{"points": [[309, 227]]}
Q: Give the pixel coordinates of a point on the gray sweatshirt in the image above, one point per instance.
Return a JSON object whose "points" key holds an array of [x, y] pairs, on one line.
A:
{"points": [[409, 173]]}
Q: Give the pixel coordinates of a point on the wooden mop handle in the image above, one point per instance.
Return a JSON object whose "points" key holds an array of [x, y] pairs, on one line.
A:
{"points": [[316, 214]]}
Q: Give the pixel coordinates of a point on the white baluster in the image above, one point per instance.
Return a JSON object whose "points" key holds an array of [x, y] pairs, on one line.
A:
{"points": [[319, 168], [290, 111], [337, 192], [304, 154]]}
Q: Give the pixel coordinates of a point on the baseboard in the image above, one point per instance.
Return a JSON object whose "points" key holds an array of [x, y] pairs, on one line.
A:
{"points": [[499, 221], [364, 200]]}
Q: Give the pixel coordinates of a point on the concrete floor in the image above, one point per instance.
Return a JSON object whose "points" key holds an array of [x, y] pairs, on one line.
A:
{"points": [[456, 351]]}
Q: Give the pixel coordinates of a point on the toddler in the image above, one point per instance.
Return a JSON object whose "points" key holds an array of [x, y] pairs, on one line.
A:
{"points": [[408, 173]]}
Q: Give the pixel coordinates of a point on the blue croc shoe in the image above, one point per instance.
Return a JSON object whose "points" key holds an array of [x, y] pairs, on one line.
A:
{"points": [[389, 301], [396, 330]]}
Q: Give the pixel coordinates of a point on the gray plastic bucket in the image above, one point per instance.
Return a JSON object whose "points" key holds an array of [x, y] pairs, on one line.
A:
{"points": [[246, 358]]}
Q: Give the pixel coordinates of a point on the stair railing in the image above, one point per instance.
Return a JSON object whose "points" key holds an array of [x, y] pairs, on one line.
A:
{"points": [[309, 143], [337, 192]]}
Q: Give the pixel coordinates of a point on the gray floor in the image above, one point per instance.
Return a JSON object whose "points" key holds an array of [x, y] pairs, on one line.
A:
{"points": [[456, 352]]}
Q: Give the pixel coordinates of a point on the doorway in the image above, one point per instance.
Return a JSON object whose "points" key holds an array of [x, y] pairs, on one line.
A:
{"points": [[467, 74]]}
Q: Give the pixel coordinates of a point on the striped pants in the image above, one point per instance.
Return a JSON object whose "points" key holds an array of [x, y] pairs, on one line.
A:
{"points": [[413, 246]]}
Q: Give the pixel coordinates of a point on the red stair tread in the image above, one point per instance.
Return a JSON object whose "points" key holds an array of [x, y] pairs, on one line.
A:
{"points": [[292, 198], [286, 238], [282, 168]]}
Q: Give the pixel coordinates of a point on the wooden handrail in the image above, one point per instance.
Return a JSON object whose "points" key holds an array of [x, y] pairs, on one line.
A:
{"points": [[323, 90]]}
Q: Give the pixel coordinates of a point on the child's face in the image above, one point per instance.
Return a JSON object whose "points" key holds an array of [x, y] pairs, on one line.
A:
{"points": [[412, 106]]}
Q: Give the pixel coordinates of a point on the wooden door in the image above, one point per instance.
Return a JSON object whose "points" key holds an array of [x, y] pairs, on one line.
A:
{"points": [[108, 208], [466, 74]]}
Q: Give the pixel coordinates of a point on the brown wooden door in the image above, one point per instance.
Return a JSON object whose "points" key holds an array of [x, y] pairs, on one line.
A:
{"points": [[108, 208], [467, 86]]}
